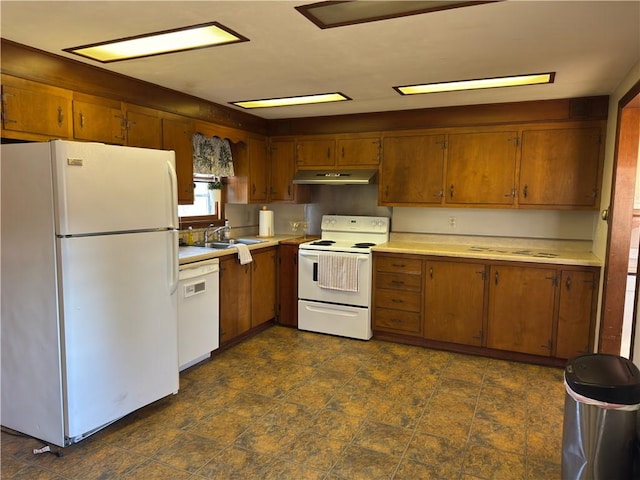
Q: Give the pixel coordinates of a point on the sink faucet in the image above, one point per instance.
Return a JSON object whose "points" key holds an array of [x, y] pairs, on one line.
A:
{"points": [[208, 232]]}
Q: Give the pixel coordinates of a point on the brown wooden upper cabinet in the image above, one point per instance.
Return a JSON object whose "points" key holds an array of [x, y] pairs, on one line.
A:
{"points": [[33, 111], [338, 151], [143, 127], [358, 151], [481, 168], [98, 119], [560, 167], [412, 170], [177, 135], [315, 152]]}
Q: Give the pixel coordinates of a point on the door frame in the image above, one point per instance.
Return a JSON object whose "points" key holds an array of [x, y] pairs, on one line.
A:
{"points": [[619, 220]]}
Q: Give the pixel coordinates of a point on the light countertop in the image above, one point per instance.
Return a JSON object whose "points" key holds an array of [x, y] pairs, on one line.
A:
{"points": [[490, 248], [190, 254]]}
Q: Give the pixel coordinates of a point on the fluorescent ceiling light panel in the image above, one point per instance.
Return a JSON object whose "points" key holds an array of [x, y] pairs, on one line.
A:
{"points": [[289, 101], [159, 43], [513, 81], [340, 13]]}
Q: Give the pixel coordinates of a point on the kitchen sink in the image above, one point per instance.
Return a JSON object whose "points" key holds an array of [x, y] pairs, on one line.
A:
{"points": [[221, 245]]}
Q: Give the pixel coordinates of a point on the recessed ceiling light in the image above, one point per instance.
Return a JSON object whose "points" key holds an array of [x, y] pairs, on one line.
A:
{"points": [[340, 13], [513, 81], [289, 101], [159, 43]]}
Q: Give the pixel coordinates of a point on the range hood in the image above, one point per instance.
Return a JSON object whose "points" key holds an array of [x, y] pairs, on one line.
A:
{"points": [[334, 177]]}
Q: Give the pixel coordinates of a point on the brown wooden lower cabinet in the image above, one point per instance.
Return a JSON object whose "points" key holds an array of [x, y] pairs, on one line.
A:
{"points": [[247, 293], [521, 309], [288, 285], [454, 298], [235, 298], [542, 313], [263, 286]]}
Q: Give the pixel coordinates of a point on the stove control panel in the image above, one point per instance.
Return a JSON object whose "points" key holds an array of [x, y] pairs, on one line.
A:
{"points": [[360, 224]]}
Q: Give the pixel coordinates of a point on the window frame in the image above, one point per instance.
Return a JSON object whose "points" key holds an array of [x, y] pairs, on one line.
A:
{"points": [[203, 221]]}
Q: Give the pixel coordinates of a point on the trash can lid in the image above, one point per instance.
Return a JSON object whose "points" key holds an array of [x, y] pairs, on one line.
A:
{"points": [[604, 377]]}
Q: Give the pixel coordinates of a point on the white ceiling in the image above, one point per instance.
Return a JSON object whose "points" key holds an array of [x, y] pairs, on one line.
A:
{"points": [[592, 45]]}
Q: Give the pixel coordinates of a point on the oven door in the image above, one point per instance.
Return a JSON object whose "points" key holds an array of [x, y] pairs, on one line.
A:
{"points": [[308, 288]]}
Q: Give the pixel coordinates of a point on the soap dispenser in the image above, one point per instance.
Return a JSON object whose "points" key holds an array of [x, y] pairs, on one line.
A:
{"points": [[227, 229]]}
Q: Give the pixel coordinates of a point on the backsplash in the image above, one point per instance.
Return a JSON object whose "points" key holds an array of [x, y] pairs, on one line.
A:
{"points": [[363, 200]]}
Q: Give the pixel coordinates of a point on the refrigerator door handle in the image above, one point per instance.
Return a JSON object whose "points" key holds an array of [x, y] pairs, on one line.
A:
{"points": [[173, 184], [173, 262]]}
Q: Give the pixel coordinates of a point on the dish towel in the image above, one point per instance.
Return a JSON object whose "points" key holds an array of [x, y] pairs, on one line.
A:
{"points": [[243, 254], [338, 272]]}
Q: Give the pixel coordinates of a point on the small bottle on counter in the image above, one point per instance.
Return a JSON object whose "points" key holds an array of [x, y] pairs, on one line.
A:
{"points": [[227, 229], [190, 236]]}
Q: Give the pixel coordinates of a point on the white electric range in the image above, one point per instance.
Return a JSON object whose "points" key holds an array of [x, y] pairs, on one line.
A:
{"points": [[334, 276]]}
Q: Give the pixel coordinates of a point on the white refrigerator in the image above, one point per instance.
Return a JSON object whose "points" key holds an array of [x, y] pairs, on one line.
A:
{"points": [[89, 257]]}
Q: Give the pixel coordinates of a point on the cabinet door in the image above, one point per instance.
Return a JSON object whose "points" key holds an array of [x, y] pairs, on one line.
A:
{"points": [[235, 299], [144, 129], [288, 285], [412, 170], [576, 313], [258, 170], [177, 136], [263, 286], [481, 168], [98, 122], [560, 167], [521, 304], [454, 299], [36, 109], [282, 169], [315, 152], [358, 151]]}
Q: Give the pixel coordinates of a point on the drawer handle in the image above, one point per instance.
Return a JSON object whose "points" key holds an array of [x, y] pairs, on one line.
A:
{"points": [[398, 265], [397, 282], [395, 300]]}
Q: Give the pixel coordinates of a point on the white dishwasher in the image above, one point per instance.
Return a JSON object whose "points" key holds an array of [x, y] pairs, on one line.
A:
{"points": [[198, 315]]}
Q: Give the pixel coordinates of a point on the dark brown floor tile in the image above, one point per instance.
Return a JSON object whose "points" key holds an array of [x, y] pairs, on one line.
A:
{"points": [[466, 368], [411, 470], [443, 454], [404, 412], [453, 423], [310, 394], [358, 463], [236, 463], [106, 462], [543, 447], [31, 472], [313, 450], [383, 438], [265, 438], [189, 452], [486, 462], [152, 469], [280, 470], [540, 470], [505, 437], [223, 427], [250, 405], [334, 424], [145, 437]]}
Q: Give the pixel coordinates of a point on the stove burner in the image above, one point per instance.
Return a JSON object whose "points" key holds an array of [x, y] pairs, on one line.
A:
{"points": [[323, 243], [363, 245]]}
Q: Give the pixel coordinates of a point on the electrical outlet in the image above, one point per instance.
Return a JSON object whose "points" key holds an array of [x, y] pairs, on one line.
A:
{"points": [[452, 222]]}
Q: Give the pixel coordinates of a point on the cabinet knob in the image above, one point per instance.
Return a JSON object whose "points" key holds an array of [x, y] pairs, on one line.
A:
{"points": [[60, 116], [451, 191], [525, 191]]}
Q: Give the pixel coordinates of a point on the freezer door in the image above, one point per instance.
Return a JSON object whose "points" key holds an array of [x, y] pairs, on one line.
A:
{"points": [[119, 324], [107, 188]]}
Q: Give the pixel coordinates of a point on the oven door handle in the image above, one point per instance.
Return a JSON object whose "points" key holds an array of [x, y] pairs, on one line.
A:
{"points": [[315, 255]]}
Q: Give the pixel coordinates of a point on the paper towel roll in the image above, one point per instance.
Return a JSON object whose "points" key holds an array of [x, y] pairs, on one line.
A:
{"points": [[266, 223]]}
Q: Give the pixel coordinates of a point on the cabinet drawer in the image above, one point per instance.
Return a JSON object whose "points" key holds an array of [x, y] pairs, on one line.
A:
{"points": [[398, 281], [408, 322], [409, 266], [409, 302]]}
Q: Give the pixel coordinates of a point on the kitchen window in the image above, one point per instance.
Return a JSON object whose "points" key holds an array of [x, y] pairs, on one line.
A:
{"points": [[208, 205]]}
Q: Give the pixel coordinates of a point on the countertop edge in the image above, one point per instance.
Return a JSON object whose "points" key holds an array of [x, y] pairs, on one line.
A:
{"points": [[586, 259], [216, 253]]}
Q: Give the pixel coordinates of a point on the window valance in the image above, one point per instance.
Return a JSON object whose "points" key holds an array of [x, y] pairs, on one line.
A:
{"points": [[212, 156]]}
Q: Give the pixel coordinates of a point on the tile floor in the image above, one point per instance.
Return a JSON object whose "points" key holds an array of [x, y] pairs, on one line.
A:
{"points": [[287, 404]]}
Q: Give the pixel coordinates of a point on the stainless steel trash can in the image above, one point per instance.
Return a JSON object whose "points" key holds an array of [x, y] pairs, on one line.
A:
{"points": [[600, 414]]}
